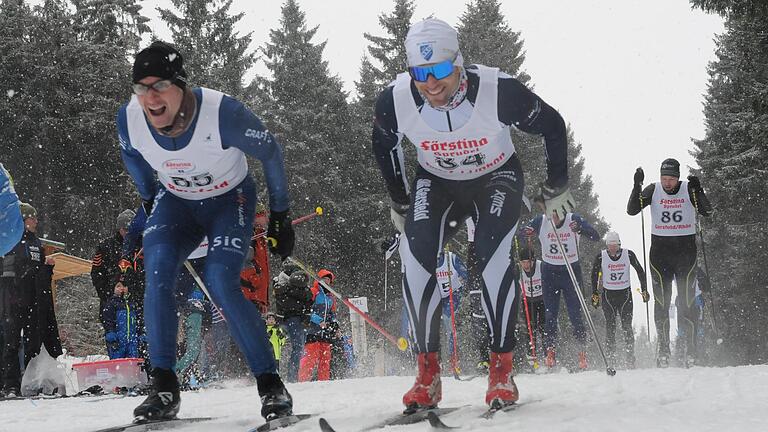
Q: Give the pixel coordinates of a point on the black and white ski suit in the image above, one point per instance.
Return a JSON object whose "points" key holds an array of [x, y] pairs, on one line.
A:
{"points": [[467, 167], [673, 254]]}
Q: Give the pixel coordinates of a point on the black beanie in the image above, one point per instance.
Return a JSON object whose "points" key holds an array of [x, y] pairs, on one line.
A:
{"points": [[162, 60], [670, 167], [526, 254]]}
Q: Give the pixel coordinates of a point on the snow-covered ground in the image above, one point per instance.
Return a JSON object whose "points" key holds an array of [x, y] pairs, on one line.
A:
{"points": [[679, 400]]}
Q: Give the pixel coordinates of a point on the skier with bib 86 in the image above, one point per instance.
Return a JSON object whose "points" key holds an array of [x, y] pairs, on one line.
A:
{"points": [[674, 206], [196, 141], [459, 120], [611, 270]]}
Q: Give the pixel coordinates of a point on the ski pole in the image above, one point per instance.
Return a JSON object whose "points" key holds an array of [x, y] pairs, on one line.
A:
{"points": [[532, 341], [318, 212], [455, 353], [706, 266], [645, 267], [201, 284], [609, 370], [385, 280], [401, 344]]}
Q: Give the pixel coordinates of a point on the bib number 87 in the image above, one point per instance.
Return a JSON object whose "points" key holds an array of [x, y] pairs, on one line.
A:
{"points": [[676, 216], [198, 180]]}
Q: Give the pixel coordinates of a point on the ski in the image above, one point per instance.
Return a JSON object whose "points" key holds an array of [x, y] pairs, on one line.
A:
{"points": [[411, 418], [325, 426], [437, 423], [505, 408], [281, 422], [155, 425]]}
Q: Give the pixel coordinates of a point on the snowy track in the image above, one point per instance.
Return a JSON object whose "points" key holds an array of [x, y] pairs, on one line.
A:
{"points": [[699, 399]]}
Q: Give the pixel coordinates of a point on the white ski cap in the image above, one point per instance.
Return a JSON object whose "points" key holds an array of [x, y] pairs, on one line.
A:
{"points": [[432, 41], [612, 237]]}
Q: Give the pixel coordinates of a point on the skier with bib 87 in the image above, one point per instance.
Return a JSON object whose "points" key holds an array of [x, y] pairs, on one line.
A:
{"points": [[611, 270], [196, 141], [459, 119], [674, 206]]}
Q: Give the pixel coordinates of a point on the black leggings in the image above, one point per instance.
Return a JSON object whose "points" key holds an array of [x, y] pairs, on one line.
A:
{"points": [[438, 208], [674, 258], [618, 302]]}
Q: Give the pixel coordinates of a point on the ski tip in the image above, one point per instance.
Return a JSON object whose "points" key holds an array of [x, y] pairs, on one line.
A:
{"points": [[325, 426]]}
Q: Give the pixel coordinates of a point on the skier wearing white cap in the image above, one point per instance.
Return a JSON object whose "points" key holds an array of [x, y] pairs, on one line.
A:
{"points": [[459, 119], [611, 270]]}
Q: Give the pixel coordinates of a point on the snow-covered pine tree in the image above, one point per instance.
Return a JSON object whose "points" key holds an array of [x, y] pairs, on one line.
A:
{"points": [[732, 157], [215, 54], [58, 113], [486, 38], [388, 52]]}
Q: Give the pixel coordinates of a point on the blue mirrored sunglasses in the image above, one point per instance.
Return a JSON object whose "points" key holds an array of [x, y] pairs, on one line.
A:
{"points": [[437, 70]]}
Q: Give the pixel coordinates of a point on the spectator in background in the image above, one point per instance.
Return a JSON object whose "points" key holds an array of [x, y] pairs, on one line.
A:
{"points": [[342, 355], [123, 329], [105, 272], [254, 279], [322, 331], [26, 303], [11, 223], [276, 335], [294, 301], [187, 367]]}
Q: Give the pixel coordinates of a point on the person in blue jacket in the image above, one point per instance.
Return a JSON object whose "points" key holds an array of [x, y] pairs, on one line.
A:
{"points": [[555, 278], [123, 329], [11, 222], [185, 150]]}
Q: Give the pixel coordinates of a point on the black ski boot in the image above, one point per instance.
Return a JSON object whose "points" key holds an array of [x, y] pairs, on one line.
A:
{"points": [[276, 402], [163, 401]]}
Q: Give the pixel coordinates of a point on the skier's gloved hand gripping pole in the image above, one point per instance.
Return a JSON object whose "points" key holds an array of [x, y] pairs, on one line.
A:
{"points": [[318, 212], [562, 201], [401, 343], [639, 178]]}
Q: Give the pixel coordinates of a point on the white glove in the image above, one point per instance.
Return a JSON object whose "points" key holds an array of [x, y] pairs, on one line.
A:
{"points": [[556, 200]]}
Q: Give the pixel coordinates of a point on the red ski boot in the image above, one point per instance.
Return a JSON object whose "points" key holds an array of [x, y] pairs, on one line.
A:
{"points": [[550, 361], [502, 390], [583, 360], [427, 391]]}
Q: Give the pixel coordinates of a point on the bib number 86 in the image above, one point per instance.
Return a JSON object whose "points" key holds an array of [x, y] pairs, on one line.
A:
{"points": [[676, 216]]}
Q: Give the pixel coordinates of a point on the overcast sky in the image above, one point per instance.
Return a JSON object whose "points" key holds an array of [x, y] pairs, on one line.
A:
{"points": [[629, 76]]}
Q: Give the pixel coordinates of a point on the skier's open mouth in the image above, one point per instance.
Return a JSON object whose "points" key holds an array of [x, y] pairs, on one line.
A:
{"points": [[157, 111]]}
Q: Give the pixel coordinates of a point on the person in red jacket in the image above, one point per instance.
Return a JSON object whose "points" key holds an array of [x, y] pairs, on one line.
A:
{"points": [[320, 333], [254, 279]]}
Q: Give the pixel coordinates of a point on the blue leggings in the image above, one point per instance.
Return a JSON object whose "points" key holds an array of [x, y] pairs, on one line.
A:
{"points": [[555, 280], [174, 229]]}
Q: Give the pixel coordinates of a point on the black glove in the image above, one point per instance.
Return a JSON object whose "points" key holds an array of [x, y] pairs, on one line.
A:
{"points": [[595, 299], [147, 204], [644, 294], [694, 184], [639, 176], [280, 236]]}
